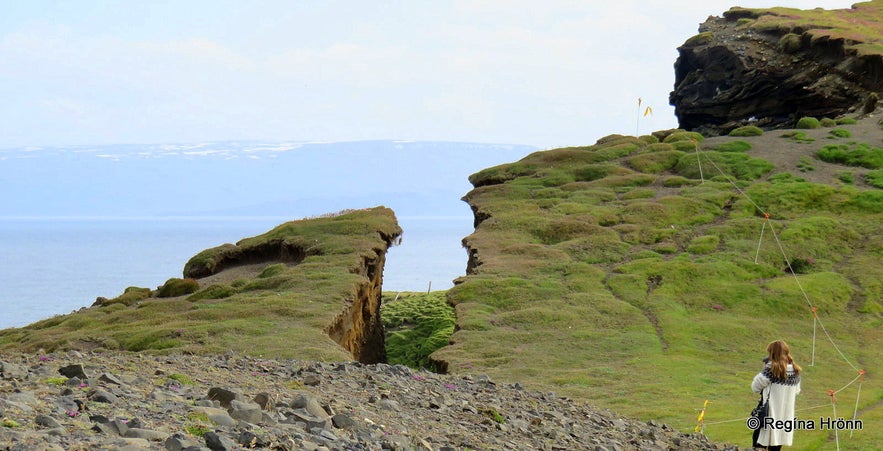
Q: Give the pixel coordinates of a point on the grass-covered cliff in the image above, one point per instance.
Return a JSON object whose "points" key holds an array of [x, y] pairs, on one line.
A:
{"points": [[640, 273], [307, 289]]}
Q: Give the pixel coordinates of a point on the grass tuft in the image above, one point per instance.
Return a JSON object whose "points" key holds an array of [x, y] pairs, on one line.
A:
{"points": [[748, 130]]}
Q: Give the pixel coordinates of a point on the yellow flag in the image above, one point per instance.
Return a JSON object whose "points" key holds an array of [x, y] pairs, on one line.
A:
{"points": [[648, 111]]}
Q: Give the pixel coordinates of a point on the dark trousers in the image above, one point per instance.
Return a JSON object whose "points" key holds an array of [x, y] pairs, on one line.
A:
{"points": [[769, 448]]}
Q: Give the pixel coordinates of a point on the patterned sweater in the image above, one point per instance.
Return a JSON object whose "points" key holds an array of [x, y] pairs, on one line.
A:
{"points": [[781, 393]]}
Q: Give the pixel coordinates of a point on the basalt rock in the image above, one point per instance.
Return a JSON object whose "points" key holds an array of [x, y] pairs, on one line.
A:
{"points": [[769, 67]]}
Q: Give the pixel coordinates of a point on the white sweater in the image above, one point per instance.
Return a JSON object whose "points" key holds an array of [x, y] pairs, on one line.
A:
{"points": [[781, 394]]}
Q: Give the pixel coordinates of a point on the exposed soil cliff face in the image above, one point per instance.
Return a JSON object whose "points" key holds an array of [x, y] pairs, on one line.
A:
{"points": [[358, 327], [771, 67]]}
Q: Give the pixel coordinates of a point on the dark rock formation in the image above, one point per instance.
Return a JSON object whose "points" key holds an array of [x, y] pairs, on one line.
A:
{"points": [[771, 67]]}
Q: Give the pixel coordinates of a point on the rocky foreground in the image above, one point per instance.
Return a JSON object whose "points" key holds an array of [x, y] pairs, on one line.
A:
{"points": [[116, 401]]}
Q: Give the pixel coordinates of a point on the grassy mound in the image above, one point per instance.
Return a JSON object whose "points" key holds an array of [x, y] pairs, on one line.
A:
{"points": [[282, 311], [634, 275]]}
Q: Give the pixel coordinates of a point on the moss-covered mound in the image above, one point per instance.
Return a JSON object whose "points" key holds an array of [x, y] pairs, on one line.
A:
{"points": [[258, 298], [647, 280]]}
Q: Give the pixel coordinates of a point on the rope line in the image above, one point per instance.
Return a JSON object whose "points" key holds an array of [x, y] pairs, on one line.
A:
{"points": [[855, 412], [836, 435], [757, 254], [847, 385]]}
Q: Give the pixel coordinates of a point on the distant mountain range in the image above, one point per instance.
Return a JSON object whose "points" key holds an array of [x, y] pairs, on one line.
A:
{"points": [[239, 178]]}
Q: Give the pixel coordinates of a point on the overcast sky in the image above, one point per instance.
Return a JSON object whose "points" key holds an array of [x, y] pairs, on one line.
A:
{"points": [[546, 73]]}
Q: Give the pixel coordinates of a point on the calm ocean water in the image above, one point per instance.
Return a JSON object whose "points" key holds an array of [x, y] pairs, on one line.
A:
{"points": [[50, 267]]}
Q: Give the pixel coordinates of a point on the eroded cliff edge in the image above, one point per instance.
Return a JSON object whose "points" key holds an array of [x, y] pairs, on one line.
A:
{"points": [[769, 67], [307, 289], [357, 327]]}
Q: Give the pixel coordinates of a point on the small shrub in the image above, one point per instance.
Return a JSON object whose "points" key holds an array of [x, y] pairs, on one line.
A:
{"points": [[177, 287], [656, 162], [854, 155], [683, 136], [846, 177], [129, 297], [197, 430], [875, 178], [798, 136], [785, 177], [846, 121], [213, 292], [700, 39], [56, 380], [840, 133], [7, 423], [662, 134], [492, 414], [675, 181], [733, 146], [828, 122], [808, 123], [748, 130], [239, 283], [805, 165], [800, 265], [272, 270], [183, 379], [704, 244], [790, 43], [657, 147], [684, 146]]}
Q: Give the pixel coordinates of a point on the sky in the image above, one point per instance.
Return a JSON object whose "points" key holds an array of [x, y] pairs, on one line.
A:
{"points": [[545, 73]]}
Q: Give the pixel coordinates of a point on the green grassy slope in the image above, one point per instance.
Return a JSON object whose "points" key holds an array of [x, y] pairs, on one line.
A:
{"points": [[624, 274], [280, 311]]}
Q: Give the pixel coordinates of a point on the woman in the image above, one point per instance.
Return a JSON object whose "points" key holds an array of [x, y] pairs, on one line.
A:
{"points": [[779, 382]]}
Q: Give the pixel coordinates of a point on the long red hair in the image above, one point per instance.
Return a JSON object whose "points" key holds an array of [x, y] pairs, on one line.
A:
{"points": [[780, 357]]}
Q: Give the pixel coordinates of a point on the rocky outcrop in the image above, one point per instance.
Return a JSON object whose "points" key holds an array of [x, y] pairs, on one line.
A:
{"points": [[771, 67]]}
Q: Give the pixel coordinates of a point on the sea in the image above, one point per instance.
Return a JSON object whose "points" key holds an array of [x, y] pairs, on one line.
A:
{"points": [[53, 266]]}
